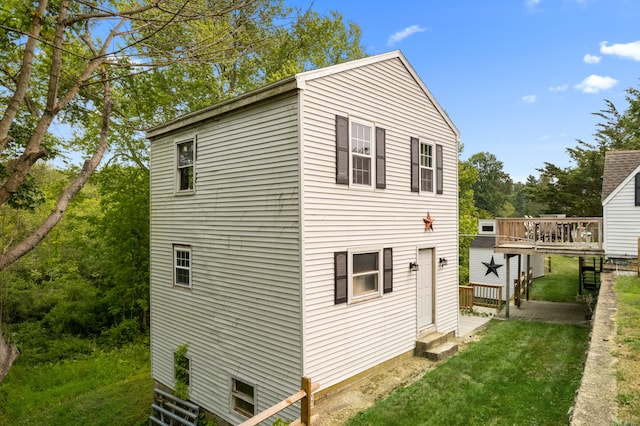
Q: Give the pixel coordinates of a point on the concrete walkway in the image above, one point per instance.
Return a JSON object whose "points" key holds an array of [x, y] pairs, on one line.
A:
{"points": [[529, 310], [469, 324], [552, 312]]}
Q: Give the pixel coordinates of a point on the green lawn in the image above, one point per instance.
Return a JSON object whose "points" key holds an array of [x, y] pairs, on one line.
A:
{"points": [[628, 348], [106, 388], [559, 285], [518, 373]]}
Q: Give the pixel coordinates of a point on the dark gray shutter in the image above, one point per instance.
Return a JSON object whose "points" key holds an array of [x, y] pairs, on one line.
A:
{"points": [[439, 171], [415, 165], [381, 171], [387, 265], [341, 276], [638, 189], [342, 150]]}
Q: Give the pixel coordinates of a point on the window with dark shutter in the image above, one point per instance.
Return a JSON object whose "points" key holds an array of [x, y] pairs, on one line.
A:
{"points": [[439, 171], [381, 181], [388, 270], [342, 150], [415, 165], [341, 276], [638, 189]]}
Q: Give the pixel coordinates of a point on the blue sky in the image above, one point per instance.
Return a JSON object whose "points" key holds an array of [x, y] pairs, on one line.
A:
{"points": [[520, 78]]}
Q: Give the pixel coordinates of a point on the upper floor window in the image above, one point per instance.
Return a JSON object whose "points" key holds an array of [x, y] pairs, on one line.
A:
{"points": [[362, 153], [185, 175], [426, 167], [182, 266]]}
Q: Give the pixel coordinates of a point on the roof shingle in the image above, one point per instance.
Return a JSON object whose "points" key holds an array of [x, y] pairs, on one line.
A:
{"points": [[617, 167]]}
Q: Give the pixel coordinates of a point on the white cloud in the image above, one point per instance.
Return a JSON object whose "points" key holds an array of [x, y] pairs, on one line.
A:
{"points": [[532, 3], [626, 50], [401, 35], [561, 88], [529, 99], [591, 59], [595, 83]]}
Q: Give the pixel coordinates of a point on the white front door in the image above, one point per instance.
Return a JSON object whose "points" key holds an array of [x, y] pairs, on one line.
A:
{"points": [[425, 288]]}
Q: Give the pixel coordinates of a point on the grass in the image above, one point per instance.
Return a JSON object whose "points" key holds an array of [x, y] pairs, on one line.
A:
{"points": [[106, 388], [518, 373], [628, 352], [561, 284]]}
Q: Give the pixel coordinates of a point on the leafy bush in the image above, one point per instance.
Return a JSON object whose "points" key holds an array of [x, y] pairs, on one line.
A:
{"points": [[125, 332], [81, 313]]}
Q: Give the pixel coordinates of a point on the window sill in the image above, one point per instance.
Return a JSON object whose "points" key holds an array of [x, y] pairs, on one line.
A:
{"points": [[365, 298], [184, 193], [182, 287]]}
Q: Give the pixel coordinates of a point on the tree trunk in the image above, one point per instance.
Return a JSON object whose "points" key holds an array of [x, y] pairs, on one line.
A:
{"points": [[8, 354]]}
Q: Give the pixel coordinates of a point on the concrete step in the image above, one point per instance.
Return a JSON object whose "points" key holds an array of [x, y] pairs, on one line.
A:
{"points": [[442, 351], [430, 340]]}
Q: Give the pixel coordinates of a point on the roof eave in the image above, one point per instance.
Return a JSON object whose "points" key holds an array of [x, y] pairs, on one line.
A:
{"points": [[187, 120]]}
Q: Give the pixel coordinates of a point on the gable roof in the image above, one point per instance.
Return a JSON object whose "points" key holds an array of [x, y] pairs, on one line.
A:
{"points": [[618, 166], [292, 83]]}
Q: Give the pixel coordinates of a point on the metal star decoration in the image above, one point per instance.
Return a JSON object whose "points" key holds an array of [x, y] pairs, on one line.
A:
{"points": [[492, 267], [428, 222]]}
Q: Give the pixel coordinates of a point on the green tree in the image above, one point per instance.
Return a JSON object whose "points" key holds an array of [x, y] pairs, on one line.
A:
{"points": [[124, 244], [77, 63], [467, 214], [492, 190], [576, 190]]}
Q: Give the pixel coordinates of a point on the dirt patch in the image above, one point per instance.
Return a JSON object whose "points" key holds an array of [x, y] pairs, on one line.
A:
{"points": [[335, 408]]}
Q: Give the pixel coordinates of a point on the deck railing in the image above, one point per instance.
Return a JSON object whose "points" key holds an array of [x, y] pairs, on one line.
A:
{"points": [[579, 233], [303, 395], [487, 295], [465, 296]]}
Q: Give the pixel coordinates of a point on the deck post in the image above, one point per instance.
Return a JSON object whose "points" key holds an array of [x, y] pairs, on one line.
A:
{"points": [[529, 274], [508, 284]]}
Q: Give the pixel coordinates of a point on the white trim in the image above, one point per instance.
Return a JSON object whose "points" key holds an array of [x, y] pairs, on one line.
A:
{"points": [[622, 185], [183, 248], [371, 156], [176, 165], [351, 298], [301, 228], [432, 145]]}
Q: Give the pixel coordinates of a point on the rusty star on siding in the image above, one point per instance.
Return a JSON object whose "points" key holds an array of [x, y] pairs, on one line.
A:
{"points": [[428, 222]]}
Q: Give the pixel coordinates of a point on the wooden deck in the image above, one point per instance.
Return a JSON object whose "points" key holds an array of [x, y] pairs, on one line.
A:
{"points": [[576, 236]]}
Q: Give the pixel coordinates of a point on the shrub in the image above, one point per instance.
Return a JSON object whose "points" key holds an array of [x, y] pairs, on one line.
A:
{"points": [[125, 332]]}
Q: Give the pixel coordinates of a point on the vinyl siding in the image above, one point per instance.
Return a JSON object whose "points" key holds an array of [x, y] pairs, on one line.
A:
{"points": [[478, 271], [622, 222], [242, 317], [343, 340]]}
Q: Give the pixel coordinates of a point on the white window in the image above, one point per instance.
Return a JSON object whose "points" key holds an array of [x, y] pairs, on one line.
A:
{"points": [[365, 274], [362, 147], [243, 398], [185, 160], [182, 266], [426, 167]]}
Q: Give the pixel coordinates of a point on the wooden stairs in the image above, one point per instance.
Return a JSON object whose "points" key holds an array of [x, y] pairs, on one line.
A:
{"points": [[436, 346]]}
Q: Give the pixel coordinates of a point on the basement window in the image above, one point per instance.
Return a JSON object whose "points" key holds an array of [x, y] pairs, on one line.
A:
{"points": [[243, 398]]}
